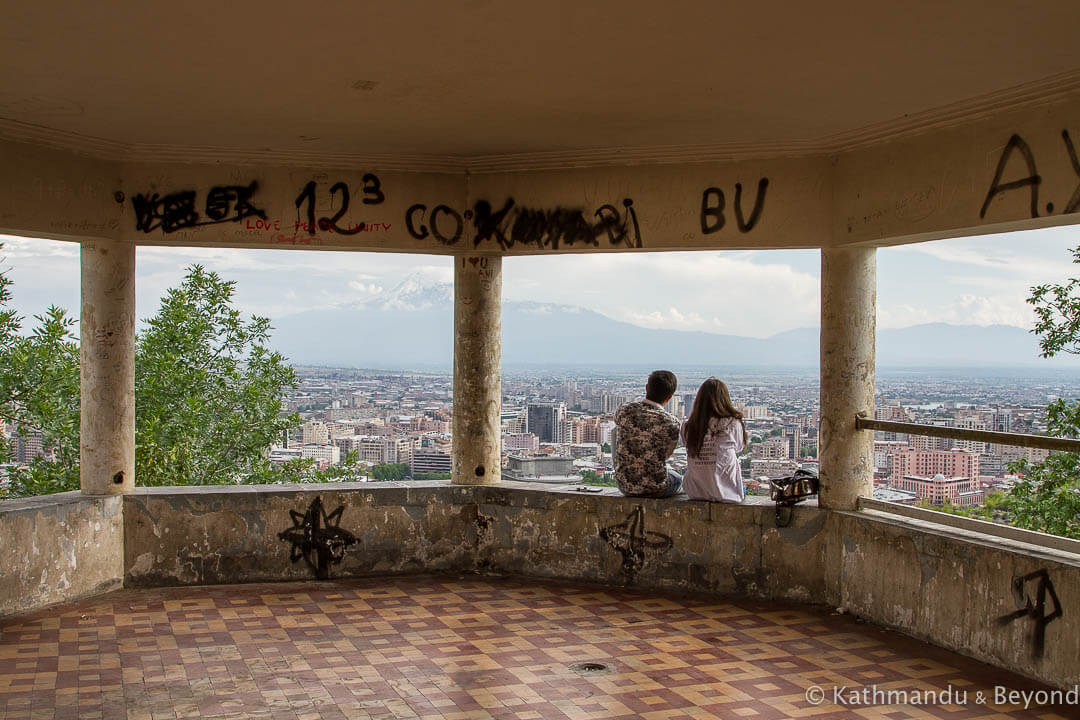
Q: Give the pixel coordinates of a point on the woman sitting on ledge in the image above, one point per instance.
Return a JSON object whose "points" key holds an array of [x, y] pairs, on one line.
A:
{"points": [[713, 434]]}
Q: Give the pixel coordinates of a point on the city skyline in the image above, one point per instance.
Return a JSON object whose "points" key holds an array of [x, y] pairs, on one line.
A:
{"points": [[978, 280]]}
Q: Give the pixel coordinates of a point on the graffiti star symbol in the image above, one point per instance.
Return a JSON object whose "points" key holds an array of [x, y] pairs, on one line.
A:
{"points": [[317, 538], [632, 540]]}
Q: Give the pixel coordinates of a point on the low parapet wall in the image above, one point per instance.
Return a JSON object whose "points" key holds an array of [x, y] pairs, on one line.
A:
{"points": [[1009, 603], [967, 591], [178, 536], [57, 548]]}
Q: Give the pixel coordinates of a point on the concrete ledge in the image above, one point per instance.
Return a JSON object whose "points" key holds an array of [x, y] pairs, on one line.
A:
{"points": [[57, 548], [1035, 539]]}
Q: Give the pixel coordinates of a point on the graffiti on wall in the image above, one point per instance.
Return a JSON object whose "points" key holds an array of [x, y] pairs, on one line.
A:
{"points": [[179, 210], [504, 225], [233, 203], [514, 224], [633, 541], [1033, 180], [317, 538], [371, 194], [713, 207], [1034, 606]]}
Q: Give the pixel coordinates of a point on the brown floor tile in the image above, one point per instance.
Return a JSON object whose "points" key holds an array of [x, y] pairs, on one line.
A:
{"points": [[474, 649]]}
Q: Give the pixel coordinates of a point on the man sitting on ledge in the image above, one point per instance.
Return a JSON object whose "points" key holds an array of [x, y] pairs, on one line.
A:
{"points": [[645, 437]]}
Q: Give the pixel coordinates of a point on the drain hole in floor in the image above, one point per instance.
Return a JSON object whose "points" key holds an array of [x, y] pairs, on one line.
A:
{"points": [[590, 668]]}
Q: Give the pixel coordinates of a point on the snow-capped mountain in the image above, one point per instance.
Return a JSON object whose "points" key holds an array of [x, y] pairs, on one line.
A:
{"points": [[415, 292], [411, 325]]}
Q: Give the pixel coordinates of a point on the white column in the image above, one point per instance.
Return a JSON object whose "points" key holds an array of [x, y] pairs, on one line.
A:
{"points": [[848, 306], [477, 369], [107, 368]]}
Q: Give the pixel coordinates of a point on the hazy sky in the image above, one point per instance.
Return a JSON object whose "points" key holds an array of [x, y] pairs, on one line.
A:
{"points": [[982, 280]]}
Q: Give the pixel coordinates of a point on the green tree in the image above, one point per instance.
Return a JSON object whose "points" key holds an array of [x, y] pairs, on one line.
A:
{"points": [[39, 394], [208, 389], [390, 472], [591, 477], [1047, 497], [431, 476]]}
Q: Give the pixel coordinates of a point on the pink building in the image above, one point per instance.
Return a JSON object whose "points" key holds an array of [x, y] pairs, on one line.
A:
{"points": [[927, 463], [957, 491], [521, 441]]}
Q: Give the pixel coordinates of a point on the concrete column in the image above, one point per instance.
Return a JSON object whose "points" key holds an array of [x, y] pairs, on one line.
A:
{"points": [[107, 368], [477, 369], [848, 306]]}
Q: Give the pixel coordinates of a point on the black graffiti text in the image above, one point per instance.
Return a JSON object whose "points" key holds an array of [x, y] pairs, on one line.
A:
{"points": [[513, 224], [371, 192], [1033, 180], [713, 206], [177, 211]]}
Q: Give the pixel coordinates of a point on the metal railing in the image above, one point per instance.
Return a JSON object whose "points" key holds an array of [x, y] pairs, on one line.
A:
{"points": [[991, 436]]}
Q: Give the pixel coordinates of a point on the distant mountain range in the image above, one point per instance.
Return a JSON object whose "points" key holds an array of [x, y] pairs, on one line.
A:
{"points": [[411, 326]]}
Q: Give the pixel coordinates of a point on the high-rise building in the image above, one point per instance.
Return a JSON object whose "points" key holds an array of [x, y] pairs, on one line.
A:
{"points": [[26, 446], [315, 432], [675, 406], [323, 455], [970, 445], [430, 461], [793, 437], [1002, 420], [547, 421]]}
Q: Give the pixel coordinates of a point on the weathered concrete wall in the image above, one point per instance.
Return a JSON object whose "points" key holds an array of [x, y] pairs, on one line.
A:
{"points": [[672, 544], [210, 535], [963, 591], [178, 536], [57, 548]]}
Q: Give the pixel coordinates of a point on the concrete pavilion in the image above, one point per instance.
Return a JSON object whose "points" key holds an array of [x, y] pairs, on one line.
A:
{"points": [[493, 129]]}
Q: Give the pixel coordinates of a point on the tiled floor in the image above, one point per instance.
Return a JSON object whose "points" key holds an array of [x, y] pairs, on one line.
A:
{"points": [[469, 648]]}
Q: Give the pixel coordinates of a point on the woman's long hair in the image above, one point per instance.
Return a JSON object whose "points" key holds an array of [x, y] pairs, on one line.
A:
{"points": [[712, 401]]}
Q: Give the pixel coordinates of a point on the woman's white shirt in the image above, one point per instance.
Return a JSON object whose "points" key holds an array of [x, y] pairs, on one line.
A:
{"points": [[715, 474]]}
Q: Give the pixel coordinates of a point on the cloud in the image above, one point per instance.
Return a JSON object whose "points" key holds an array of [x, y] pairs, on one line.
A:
{"points": [[740, 293], [1031, 257], [968, 310], [367, 289]]}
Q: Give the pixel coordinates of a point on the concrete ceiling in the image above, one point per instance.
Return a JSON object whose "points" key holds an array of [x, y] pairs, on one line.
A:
{"points": [[485, 78]]}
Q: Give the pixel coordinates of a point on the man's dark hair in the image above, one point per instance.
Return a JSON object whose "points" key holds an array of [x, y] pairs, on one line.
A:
{"points": [[661, 386]]}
